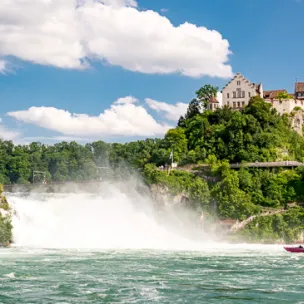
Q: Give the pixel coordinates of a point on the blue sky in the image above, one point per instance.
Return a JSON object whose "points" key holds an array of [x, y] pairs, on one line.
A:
{"points": [[83, 61]]}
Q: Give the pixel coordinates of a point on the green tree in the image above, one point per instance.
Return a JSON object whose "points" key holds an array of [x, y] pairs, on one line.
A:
{"points": [[283, 95], [175, 139], [206, 93], [194, 108]]}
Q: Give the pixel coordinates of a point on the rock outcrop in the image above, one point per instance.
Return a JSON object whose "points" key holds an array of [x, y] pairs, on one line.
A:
{"points": [[162, 195]]}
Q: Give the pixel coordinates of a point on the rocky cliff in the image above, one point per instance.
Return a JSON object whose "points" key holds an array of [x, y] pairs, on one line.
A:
{"points": [[162, 195]]}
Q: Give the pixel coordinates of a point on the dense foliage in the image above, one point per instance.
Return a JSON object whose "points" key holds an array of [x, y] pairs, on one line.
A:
{"points": [[286, 227], [72, 161], [195, 188], [258, 133], [5, 221]]}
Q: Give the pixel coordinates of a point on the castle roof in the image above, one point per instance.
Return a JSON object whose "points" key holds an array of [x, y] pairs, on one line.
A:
{"points": [[213, 100], [250, 84], [299, 87], [273, 93]]}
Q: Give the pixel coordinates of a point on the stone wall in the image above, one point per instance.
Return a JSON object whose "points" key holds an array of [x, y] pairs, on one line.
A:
{"points": [[285, 106]]}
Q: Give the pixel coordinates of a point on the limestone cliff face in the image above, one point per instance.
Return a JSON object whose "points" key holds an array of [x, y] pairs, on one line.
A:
{"points": [[297, 119], [162, 195]]}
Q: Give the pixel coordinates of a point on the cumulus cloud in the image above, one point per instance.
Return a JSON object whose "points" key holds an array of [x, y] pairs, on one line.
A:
{"points": [[6, 134], [53, 139], [172, 112], [119, 3], [123, 118], [69, 34], [126, 100]]}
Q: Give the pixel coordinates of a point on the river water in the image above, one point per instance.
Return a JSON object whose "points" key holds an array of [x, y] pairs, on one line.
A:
{"points": [[222, 274], [135, 255]]}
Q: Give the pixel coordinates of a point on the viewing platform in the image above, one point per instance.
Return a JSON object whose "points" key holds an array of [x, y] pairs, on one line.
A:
{"points": [[287, 163]]}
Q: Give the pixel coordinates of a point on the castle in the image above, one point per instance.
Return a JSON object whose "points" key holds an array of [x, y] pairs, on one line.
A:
{"points": [[238, 91]]}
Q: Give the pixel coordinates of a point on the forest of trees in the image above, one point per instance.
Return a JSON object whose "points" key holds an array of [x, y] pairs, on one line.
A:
{"points": [[257, 133]]}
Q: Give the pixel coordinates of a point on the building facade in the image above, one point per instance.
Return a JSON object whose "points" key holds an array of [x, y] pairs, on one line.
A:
{"points": [[213, 104], [237, 93], [287, 105], [299, 90]]}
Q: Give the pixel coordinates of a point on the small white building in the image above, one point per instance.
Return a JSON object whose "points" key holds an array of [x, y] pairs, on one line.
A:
{"points": [[237, 93], [213, 104]]}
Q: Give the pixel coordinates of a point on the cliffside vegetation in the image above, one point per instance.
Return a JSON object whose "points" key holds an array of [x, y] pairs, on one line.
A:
{"points": [[5, 221]]}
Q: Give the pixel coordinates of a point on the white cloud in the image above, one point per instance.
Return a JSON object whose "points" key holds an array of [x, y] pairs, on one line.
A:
{"points": [[125, 100], [172, 112], [62, 34], [53, 138], [3, 66], [6, 134], [118, 3], [123, 118]]}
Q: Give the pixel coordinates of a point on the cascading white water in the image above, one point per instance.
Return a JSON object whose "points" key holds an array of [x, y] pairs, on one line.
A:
{"points": [[115, 218], [111, 219]]}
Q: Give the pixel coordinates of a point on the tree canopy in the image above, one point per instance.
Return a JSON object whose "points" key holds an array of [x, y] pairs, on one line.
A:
{"points": [[206, 93]]}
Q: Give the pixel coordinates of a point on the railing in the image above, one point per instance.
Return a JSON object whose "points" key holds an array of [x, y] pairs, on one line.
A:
{"points": [[287, 163]]}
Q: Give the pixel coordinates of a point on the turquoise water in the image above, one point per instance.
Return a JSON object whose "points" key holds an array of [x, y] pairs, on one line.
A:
{"points": [[248, 274]]}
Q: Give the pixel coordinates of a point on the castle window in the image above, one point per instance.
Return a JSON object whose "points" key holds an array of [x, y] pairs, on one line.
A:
{"points": [[243, 104], [227, 95], [238, 82], [239, 104], [234, 94], [249, 94], [234, 104], [239, 93]]}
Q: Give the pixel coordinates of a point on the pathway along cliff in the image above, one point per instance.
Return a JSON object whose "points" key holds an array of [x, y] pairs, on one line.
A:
{"points": [[241, 225]]}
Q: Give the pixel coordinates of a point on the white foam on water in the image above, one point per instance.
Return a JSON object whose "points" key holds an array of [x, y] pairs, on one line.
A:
{"points": [[112, 219], [10, 275]]}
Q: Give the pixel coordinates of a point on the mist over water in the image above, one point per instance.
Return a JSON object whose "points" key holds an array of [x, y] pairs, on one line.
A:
{"points": [[117, 216], [114, 218]]}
